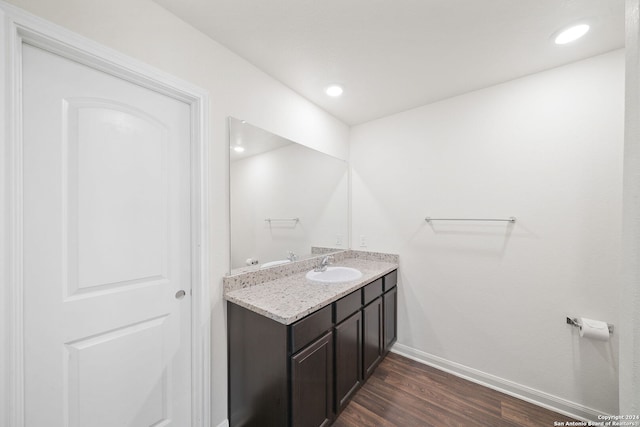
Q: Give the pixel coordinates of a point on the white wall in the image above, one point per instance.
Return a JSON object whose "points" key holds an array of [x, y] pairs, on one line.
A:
{"points": [[493, 297], [290, 182], [630, 291], [147, 32]]}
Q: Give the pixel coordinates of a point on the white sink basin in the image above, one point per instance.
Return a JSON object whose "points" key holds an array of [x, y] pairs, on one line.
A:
{"points": [[335, 275]]}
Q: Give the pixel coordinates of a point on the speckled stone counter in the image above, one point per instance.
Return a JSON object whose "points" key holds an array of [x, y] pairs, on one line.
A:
{"points": [[292, 297]]}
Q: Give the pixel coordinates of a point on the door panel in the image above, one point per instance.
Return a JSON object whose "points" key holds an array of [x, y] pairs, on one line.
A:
{"points": [[117, 195], [372, 346], [390, 318], [99, 398], [348, 339], [312, 384], [107, 244]]}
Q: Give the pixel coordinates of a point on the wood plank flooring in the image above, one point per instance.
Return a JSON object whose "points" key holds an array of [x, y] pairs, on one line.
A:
{"points": [[405, 393]]}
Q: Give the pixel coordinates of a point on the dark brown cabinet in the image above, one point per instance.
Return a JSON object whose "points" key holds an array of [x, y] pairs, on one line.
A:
{"points": [[258, 386], [312, 384], [372, 336], [348, 339], [390, 304], [303, 374]]}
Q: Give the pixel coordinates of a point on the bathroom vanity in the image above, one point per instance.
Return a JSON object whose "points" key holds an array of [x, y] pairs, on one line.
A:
{"points": [[299, 350]]}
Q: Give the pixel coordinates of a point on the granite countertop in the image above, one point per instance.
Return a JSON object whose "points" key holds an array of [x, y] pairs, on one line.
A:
{"points": [[291, 298]]}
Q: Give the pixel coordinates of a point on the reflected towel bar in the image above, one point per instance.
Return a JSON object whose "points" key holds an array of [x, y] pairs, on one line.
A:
{"points": [[511, 219], [282, 219]]}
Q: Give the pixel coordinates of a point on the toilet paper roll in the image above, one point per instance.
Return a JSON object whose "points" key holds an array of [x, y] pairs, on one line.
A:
{"points": [[594, 329]]}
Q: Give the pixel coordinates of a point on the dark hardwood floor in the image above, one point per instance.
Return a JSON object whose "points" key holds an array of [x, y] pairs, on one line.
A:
{"points": [[406, 393]]}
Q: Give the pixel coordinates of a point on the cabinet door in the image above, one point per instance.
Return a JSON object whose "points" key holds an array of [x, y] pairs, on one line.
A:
{"points": [[312, 384], [390, 318], [372, 336], [348, 339], [258, 369]]}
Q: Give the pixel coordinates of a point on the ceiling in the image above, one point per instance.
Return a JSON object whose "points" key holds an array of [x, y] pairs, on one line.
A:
{"points": [[393, 55]]}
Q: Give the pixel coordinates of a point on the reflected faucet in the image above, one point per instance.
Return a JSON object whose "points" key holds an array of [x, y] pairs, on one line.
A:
{"points": [[324, 263], [292, 256]]}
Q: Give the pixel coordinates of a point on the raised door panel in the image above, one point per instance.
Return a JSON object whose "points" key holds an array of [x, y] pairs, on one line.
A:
{"points": [[372, 346], [312, 384], [348, 339], [96, 399], [390, 318], [116, 185]]}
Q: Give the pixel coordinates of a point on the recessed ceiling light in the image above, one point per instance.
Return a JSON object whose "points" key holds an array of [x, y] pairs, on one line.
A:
{"points": [[572, 34], [238, 149], [334, 90]]}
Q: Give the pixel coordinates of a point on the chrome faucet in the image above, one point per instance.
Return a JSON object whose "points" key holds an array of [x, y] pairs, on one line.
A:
{"points": [[324, 263], [292, 256]]}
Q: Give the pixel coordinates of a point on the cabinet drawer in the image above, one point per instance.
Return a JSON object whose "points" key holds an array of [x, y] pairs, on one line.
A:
{"points": [[390, 280], [348, 305], [372, 291], [311, 327]]}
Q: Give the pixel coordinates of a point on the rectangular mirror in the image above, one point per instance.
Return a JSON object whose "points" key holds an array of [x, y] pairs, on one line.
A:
{"points": [[285, 199]]}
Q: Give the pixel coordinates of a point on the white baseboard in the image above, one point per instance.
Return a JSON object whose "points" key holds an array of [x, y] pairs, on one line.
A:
{"points": [[224, 423], [536, 397]]}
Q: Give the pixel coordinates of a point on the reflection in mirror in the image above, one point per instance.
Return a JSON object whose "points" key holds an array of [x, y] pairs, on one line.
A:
{"points": [[285, 198]]}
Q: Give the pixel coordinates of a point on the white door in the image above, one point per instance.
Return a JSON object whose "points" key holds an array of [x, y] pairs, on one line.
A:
{"points": [[106, 249]]}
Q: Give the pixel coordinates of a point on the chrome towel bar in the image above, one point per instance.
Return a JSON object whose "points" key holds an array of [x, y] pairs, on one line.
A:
{"points": [[511, 219], [282, 219]]}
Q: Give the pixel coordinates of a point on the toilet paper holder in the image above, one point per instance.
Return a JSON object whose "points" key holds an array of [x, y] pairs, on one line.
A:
{"points": [[573, 321]]}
